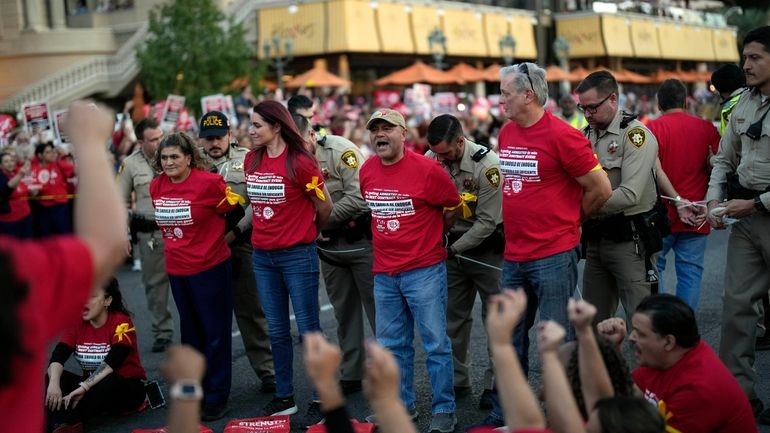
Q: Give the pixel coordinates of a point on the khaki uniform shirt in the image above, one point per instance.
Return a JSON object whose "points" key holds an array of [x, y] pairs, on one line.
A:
{"points": [[481, 179], [628, 156], [135, 175], [740, 154], [230, 166], [340, 162]]}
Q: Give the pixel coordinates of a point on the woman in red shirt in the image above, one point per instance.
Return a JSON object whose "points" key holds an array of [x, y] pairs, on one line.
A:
{"points": [[290, 202], [105, 346], [15, 215], [190, 203], [51, 176]]}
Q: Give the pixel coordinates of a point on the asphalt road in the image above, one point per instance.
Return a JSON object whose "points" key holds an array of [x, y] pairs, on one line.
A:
{"points": [[246, 401]]}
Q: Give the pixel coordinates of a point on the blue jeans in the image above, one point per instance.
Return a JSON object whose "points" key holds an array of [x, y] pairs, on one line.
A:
{"points": [[549, 283], [418, 295], [689, 250], [283, 275]]}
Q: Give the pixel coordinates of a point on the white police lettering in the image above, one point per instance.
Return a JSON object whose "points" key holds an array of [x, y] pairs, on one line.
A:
{"points": [[91, 355], [172, 212], [265, 188]]}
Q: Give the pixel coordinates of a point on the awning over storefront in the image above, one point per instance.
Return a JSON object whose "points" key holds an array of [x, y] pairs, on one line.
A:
{"points": [[424, 20], [352, 27], [464, 33], [633, 35], [725, 45], [644, 38], [393, 22], [495, 27], [524, 32], [584, 34], [304, 28], [617, 36]]}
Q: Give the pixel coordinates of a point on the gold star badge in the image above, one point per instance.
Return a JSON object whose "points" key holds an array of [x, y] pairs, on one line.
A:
{"points": [[637, 136], [349, 158], [493, 176]]}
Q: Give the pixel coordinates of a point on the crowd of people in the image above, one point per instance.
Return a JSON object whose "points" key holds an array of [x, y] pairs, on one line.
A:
{"points": [[405, 230]]}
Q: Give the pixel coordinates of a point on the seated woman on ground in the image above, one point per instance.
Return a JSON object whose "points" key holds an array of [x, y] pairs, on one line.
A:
{"points": [[105, 346]]}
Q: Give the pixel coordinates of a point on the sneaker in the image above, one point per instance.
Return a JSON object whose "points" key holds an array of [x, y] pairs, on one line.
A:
{"points": [[443, 423], [137, 267], [280, 406], [268, 385], [372, 419], [350, 386], [213, 412], [489, 421], [313, 415], [485, 401], [160, 345]]}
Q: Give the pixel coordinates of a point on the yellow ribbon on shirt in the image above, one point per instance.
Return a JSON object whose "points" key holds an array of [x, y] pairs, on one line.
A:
{"points": [[122, 330], [666, 416], [232, 197], [314, 185], [466, 198]]}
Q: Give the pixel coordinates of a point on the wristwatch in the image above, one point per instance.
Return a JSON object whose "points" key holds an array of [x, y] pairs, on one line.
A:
{"points": [[186, 389], [758, 205]]}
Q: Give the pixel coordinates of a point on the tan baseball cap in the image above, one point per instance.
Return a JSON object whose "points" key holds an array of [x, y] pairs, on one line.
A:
{"points": [[391, 116]]}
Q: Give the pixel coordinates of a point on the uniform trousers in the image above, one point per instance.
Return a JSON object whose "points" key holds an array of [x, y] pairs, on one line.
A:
{"points": [[347, 271], [248, 311], [205, 304], [747, 277], [155, 282], [615, 271], [464, 280]]}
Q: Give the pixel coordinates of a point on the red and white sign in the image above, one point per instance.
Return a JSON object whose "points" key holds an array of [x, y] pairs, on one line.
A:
{"points": [[37, 117], [58, 119], [269, 424], [171, 112], [213, 103]]}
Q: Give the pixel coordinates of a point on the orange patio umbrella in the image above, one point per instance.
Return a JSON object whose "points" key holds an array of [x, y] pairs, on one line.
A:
{"points": [[555, 73], [317, 77], [580, 73], [467, 73], [635, 78], [492, 72], [419, 72]]}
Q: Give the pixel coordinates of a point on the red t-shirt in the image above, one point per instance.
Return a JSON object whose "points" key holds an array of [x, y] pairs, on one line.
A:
{"points": [[407, 200], [91, 345], [190, 218], [18, 200], [59, 276], [541, 198], [284, 214], [52, 180], [700, 394], [683, 148]]}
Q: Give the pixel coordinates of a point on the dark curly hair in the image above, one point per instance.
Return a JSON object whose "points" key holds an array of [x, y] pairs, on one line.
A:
{"points": [[12, 293], [617, 368], [187, 146]]}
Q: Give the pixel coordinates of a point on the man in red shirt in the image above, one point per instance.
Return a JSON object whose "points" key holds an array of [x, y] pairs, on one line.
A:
{"points": [[678, 372], [411, 198], [551, 181], [685, 145]]}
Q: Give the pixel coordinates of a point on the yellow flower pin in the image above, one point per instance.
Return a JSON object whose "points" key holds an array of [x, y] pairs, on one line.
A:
{"points": [[122, 330], [315, 185]]}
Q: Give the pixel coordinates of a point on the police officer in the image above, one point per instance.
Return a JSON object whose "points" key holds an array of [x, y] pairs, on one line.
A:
{"points": [[135, 174], [475, 242], [741, 174], [619, 241], [730, 83], [345, 246], [569, 113], [228, 161]]}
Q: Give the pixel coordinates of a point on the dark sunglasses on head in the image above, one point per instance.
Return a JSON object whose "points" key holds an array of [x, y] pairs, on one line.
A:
{"points": [[523, 69]]}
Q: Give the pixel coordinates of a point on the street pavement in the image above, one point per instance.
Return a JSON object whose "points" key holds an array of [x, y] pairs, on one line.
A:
{"points": [[246, 401]]}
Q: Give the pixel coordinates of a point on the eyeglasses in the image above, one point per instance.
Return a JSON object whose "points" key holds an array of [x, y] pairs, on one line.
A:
{"points": [[523, 69], [591, 109]]}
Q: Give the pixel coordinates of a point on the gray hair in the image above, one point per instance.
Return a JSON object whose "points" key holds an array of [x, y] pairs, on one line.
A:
{"points": [[521, 83]]}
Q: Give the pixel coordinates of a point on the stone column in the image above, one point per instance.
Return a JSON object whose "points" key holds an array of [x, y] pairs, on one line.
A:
{"points": [[34, 16], [58, 14]]}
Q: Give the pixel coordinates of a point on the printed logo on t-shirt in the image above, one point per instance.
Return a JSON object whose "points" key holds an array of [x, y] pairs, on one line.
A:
{"points": [[44, 176], [519, 166], [389, 204], [172, 212], [268, 213], [91, 355], [178, 232], [265, 189], [393, 225]]}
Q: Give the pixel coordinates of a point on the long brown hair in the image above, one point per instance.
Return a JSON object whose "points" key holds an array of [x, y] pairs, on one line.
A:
{"points": [[274, 113]]}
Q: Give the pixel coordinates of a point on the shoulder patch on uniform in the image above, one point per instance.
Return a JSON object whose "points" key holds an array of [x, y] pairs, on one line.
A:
{"points": [[493, 176], [349, 158], [637, 136]]}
